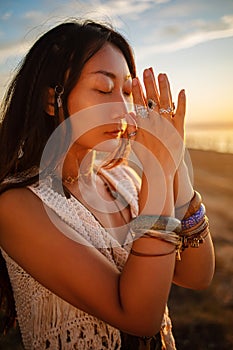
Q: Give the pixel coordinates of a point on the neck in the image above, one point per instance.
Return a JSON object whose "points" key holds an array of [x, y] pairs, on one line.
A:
{"points": [[78, 164]]}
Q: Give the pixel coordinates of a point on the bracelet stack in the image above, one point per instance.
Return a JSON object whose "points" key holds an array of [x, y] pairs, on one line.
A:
{"points": [[164, 228], [191, 231], [195, 224]]}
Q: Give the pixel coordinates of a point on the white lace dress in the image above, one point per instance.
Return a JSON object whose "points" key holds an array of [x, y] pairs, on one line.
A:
{"points": [[45, 320]]}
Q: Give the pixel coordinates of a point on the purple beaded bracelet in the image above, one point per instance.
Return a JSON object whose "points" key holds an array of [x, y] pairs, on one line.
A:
{"points": [[194, 219]]}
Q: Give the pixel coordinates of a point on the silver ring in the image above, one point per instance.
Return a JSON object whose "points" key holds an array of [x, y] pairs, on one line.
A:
{"points": [[168, 110], [141, 111], [132, 134], [151, 104]]}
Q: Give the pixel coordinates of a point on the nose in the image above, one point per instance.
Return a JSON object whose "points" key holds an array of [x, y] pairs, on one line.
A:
{"points": [[118, 110], [121, 106]]}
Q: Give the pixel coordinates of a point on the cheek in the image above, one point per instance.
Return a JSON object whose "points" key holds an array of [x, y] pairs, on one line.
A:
{"points": [[78, 100], [95, 139]]}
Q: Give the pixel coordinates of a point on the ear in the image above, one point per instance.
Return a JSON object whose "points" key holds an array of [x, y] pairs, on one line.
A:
{"points": [[49, 101]]}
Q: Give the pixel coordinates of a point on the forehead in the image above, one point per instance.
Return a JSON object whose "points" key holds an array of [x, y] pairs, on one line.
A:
{"points": [[109, 58]]}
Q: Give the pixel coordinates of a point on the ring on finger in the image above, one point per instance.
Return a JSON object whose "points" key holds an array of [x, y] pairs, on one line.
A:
{"points": [[132, 134], [141, 111], [151, 104], [168, 110]]}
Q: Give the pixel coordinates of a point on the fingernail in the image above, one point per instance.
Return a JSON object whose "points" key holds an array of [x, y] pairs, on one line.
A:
{"points": [[134, 82], [182, 93], [147, 72], [161, 77]]}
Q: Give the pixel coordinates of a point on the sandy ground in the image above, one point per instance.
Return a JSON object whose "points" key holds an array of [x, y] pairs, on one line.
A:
{"points": [[204, 320]]}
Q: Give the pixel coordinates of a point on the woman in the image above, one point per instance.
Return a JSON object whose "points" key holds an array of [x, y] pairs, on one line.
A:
{"points": [[90, 247]]}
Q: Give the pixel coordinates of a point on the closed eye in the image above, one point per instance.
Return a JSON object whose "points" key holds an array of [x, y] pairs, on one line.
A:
{"points": [[104, 92]]}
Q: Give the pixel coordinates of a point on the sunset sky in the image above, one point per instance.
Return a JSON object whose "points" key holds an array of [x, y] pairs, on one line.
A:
{"points": [[192, 41]]}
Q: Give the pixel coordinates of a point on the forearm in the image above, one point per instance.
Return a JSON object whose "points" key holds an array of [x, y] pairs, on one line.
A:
{"points": [[196, 268], [146, 280], [145, 284]]}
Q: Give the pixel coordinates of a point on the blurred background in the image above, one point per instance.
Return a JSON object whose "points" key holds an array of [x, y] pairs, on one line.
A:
{"points": [[192, 41]]}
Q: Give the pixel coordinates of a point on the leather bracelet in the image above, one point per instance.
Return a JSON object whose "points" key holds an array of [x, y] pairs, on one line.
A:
{"points": [[147, 255]]}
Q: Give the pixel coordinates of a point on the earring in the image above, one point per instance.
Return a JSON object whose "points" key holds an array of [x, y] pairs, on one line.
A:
{"points": [[59, 90]]}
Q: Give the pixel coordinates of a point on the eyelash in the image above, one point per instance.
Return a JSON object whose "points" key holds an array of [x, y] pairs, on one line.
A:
{"points": [[109, 92], [104, 92]]}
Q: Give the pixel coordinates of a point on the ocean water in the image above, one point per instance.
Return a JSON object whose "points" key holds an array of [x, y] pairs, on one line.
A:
{"points": [[219, 139]]}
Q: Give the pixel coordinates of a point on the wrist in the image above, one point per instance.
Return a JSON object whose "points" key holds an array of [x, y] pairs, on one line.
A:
{"points": [[183, 185], [156, 195]]}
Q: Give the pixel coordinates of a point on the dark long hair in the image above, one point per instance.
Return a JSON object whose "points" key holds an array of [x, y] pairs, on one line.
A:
{"points": [[57, 58]]}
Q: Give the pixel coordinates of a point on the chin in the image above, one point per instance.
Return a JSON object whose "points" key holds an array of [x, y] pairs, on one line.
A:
{"points": [[108, 145]]}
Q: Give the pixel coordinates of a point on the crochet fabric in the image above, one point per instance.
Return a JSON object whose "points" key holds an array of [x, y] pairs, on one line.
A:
{"points": [[48, 322]]}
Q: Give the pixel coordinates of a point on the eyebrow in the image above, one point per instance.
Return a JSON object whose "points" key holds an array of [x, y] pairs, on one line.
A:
{"points": [[110, 74]]}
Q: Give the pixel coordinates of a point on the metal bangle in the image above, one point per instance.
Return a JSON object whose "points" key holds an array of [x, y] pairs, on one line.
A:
{"points": [[155, 222], [195, 240]]}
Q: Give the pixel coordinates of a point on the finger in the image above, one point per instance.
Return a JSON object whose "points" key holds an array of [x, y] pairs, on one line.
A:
{"points": [[172, 104], [165, 93], [131, 130], [181, 106], [179, 116], [140, 102], [138, 96], [170, 94], [150, 86]]}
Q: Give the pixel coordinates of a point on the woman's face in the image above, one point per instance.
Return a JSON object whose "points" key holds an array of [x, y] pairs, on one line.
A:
{"points": [[102, 97]]}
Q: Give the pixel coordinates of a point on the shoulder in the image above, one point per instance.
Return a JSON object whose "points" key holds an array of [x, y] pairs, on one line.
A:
{"points": [[15, 197], [20, 207], [25, 217], [16, 207]]}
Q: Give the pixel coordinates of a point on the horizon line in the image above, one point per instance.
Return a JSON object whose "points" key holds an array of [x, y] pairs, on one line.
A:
{"points": [[209, 125]]}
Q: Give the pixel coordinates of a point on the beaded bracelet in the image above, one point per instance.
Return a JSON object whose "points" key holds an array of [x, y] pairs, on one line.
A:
{"points": [[194, 219], [197, 228]]}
